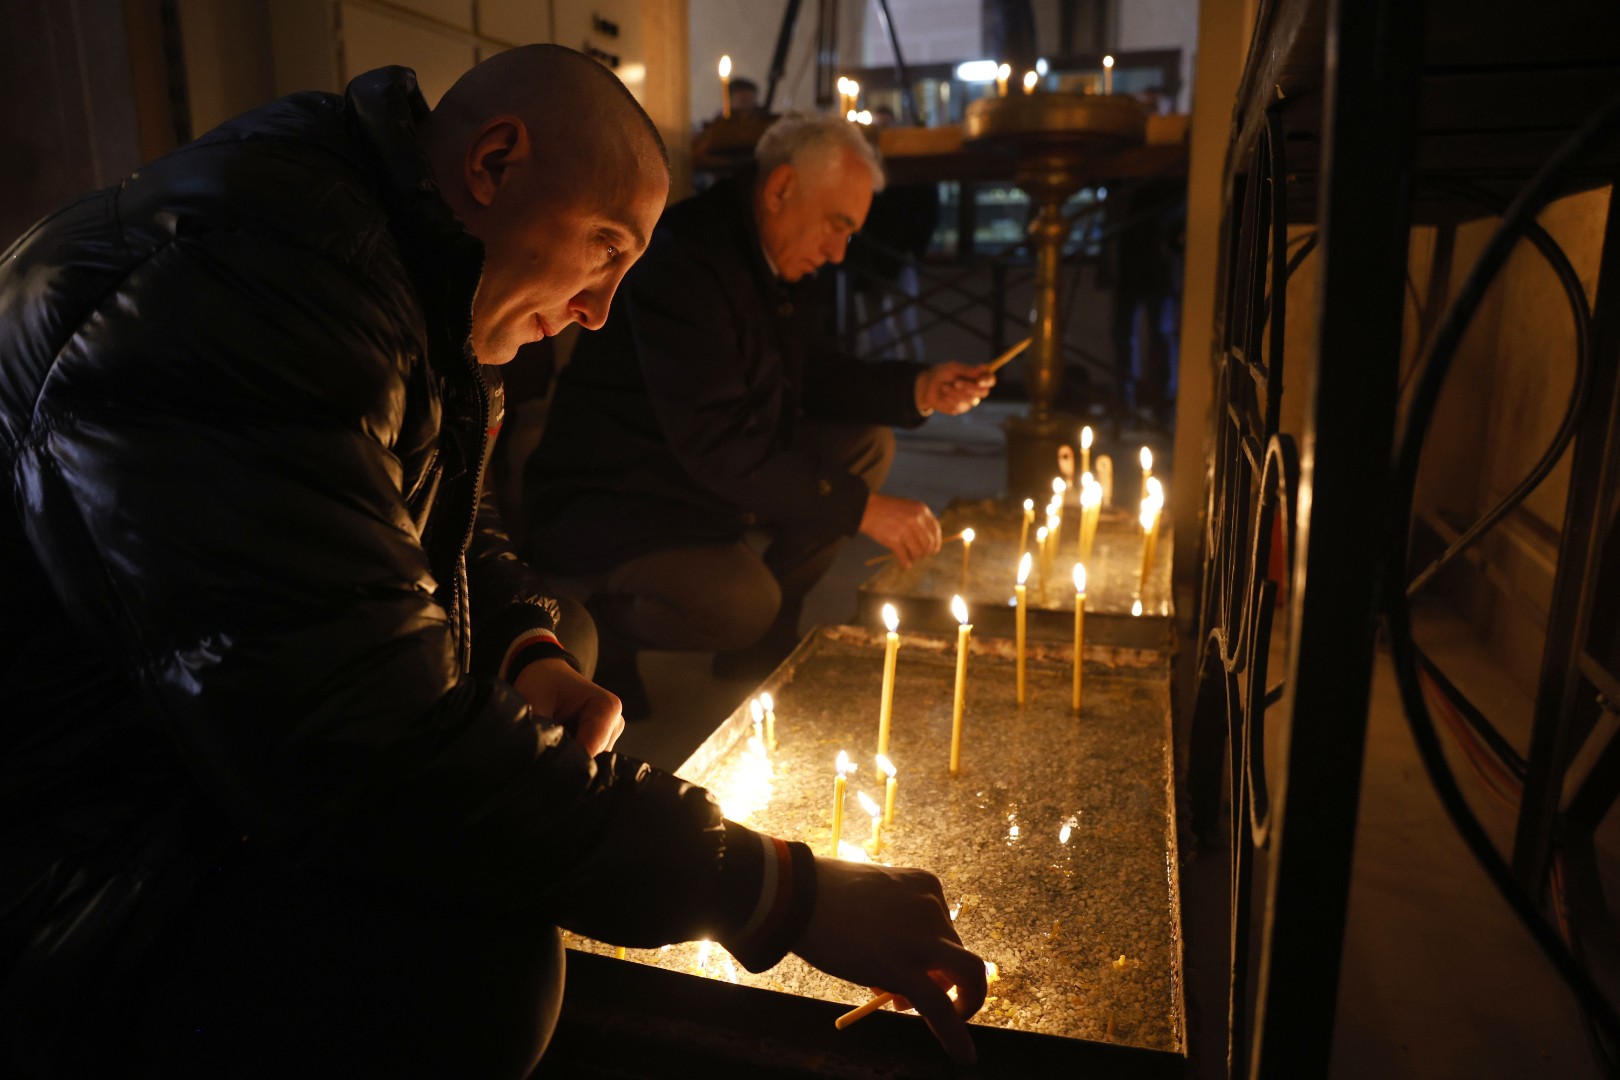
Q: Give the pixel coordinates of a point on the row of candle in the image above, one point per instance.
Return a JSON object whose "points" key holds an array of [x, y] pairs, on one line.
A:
{"points": [[1031, 78]]}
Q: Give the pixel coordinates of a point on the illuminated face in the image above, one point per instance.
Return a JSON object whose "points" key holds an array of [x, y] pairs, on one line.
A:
{"points": [[558, 258], [806, 216]]}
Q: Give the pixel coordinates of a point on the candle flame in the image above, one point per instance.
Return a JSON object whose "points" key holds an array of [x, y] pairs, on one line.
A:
{"points": [[769, 702], [725, 67], [1029, 82], [991, 972], [854, 88], [959, 609], [1023, 569], [891, 618], [843, 763], [1085, 437], [1063, 833], [1155, 490], [1091, 494], [850, 116], [968, 536], [1136, 607], [843, 84], [863, 117], [1040, 534], [1029, 504], [1058, 486], [1108, 61], [1002, 72], [868, 804], [1080, 578], [886, 765], [757, 709], [703, 952], [1147, 459], [1150, 516]]}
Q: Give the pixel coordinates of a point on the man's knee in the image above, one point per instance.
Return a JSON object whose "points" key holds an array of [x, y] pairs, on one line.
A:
{"points": [[872, 455], [577, 632]]}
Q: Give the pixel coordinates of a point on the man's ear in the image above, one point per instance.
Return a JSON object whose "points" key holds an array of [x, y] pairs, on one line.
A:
{"points": [[499, 145], [780, 186]]}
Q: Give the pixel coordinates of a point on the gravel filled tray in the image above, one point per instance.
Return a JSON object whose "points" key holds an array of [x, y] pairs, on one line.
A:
{"points": [[923, 593], [1055, 842]]}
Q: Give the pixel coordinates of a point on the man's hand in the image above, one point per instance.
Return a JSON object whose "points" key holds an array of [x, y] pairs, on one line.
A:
{"points": [[562, 695], [889, 928], [953, 387], [904, 526]]}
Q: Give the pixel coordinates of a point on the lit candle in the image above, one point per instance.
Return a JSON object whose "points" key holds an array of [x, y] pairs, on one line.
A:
{"points": [[963, 631], [758, 712], [1040, 549], [1136, 607], [838, 800], [1029, 516], [1150, 536], [1002, 74], [1029, 82], [875, 812], [1059, 488], [1090, 511], [725, 87], [1146, 457], [769, 705], [1079, 627], [844, 107], [886, 767], [1085, 448], [967, 545], [1020, 592], [1108, 74], [1105, 477], [891, 650], [855, 97]]}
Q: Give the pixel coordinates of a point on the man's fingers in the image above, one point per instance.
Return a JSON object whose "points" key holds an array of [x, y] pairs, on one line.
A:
{"points": [[939, 1014]]}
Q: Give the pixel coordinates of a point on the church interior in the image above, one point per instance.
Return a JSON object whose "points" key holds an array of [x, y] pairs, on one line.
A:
{"points": [[1301, 472]]}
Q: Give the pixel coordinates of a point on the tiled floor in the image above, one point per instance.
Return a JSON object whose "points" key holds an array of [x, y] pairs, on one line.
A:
{"points": [[1437, 978]]}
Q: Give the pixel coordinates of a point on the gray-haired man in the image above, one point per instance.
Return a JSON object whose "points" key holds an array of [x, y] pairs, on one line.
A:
{"points": [[714, 402]]}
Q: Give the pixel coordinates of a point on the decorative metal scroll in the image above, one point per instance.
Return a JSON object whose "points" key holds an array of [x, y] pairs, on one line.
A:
{"points": [[1252, 492]]}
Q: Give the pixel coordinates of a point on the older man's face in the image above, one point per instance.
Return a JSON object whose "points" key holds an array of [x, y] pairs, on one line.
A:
{"points": [[806, 216]]}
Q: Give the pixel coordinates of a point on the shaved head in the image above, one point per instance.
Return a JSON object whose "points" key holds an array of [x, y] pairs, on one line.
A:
{"points": [[548, 159], [564, 96]]}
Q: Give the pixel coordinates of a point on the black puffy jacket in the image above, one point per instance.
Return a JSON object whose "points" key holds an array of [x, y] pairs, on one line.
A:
{"points": [[245, 598]]}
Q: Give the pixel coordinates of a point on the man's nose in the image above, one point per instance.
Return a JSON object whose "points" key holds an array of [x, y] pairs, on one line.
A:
{"points": [[590, 309], [835, 249]]}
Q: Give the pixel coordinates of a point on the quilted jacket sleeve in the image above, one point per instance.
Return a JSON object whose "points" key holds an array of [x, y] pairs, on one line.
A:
{"points": [[213, 483]]}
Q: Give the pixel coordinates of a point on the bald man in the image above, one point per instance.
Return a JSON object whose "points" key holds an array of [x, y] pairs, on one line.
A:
{"points": [[296, 776]]}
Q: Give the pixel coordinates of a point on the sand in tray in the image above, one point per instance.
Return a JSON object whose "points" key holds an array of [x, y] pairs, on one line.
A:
{"points": [[1051, 843]]}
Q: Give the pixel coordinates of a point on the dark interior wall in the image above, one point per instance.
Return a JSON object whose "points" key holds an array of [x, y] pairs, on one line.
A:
{"points": [[69, 122]]}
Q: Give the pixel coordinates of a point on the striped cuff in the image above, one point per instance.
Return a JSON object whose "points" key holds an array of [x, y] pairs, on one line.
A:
{"points": [[787, 892], [529, 646]]}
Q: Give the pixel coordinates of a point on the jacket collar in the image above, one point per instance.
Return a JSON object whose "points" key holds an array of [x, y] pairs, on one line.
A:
{"points": [[443, 259]]}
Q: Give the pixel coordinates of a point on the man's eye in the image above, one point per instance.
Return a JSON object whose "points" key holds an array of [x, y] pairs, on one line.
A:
{"points": [[612, 253]]}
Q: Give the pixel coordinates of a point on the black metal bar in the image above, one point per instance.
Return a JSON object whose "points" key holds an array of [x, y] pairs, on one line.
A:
{"points": [[1592, 475], [908, 95], [784, 38], [1372, 53], [1504, 751]]}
